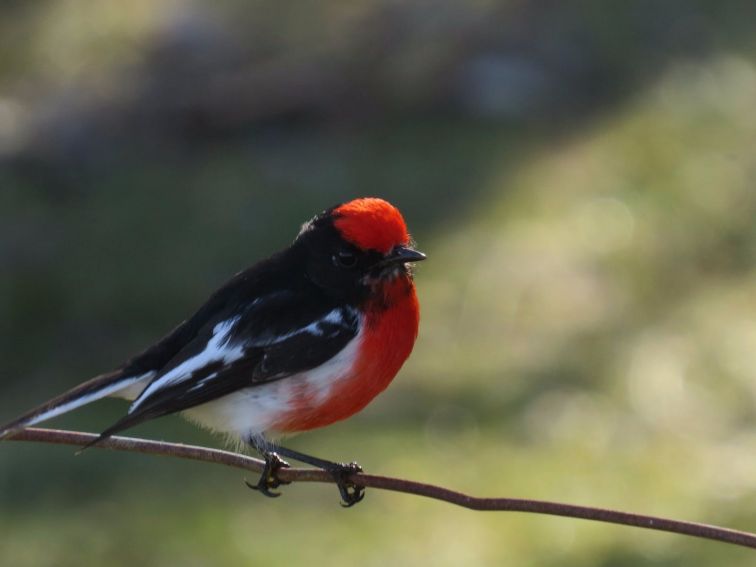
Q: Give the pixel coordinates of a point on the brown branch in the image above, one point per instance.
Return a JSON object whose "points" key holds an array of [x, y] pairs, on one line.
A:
{"points": [[236, 460]]}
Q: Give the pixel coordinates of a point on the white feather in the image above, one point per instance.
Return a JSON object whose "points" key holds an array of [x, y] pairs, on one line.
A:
{"points": [[217, 349], [117, 388], [334, 317], [251, 411], [132, 390]]}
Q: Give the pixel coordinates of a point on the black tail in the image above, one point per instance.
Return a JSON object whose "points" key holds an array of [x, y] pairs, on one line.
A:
{"points": [[90, 391], [123, 423]]}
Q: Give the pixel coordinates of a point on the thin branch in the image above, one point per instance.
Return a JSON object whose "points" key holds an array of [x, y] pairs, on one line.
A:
{"points": [[244, 462]]}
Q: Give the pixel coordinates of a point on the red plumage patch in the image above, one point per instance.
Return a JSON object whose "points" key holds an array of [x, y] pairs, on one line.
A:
{"points": [[389, 336], [371, 224]]}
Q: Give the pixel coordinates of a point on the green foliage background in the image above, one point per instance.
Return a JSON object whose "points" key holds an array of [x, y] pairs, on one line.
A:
{"points": [[589, 304]]}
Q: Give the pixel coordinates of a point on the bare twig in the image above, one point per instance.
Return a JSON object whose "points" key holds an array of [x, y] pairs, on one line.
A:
{"points": [[228, 458]]}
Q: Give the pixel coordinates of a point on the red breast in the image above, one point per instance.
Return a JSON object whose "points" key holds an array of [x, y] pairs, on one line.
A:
{"points": [[387, 339], [389, 328]]}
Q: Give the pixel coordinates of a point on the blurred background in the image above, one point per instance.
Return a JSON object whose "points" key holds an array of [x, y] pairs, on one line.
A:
{"points": [[581, 176]]}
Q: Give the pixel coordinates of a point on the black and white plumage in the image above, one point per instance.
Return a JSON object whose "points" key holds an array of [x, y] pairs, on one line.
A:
{"points": [[301, 340], [280, 318]]}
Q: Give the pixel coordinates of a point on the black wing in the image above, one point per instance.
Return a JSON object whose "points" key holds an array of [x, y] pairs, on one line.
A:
{"points": [[253, 282], [270, 338], [219, 304]]}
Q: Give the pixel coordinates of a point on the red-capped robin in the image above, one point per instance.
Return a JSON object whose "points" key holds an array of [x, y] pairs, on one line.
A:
{"points": [[302, 339]]}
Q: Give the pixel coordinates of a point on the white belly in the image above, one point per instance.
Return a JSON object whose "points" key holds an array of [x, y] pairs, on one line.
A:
{"points": [[252, 411]]}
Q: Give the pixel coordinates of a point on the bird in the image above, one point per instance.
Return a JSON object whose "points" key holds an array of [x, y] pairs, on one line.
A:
{"points": [[300, 340]]}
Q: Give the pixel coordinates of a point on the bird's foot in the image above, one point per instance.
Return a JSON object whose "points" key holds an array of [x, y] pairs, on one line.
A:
{"points": [[351, 493], [269, 476]]}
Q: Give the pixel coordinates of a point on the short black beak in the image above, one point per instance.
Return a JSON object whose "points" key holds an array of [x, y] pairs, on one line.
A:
{"points": [[403, 255]]}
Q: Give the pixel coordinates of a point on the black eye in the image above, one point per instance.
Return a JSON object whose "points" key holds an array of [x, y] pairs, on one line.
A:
{"points": [[345, 259]]}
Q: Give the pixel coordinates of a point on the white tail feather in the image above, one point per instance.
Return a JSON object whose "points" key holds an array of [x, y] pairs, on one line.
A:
{"points": [[95, 389]]}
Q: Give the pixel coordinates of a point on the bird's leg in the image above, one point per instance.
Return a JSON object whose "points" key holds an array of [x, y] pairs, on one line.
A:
{"points": [[269, 477], [351, 493]]}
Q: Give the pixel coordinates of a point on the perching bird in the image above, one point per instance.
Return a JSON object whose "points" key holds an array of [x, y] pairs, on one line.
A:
{"points": [[300, 340]]}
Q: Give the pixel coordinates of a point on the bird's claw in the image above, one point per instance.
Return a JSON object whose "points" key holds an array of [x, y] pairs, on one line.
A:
{"points": [[269, 476], [351, 493]]}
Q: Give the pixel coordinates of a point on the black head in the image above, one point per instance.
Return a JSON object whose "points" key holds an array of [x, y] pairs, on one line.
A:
{"points": [[352, 248]]}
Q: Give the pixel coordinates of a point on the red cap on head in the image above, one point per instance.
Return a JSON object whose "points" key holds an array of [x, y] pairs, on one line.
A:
{"points": [[371, 224]]}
